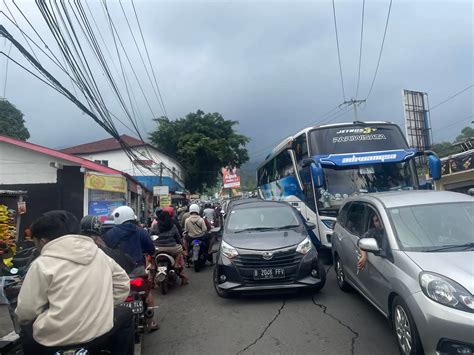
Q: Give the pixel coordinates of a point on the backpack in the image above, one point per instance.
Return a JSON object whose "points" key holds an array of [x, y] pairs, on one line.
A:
{"points": [[124, 260]]}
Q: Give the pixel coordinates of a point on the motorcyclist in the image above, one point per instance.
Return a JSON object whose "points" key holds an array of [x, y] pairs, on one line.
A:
{"points": [[135, 242], [70, 290], [195, 225], [170, 242], [209, 213]]}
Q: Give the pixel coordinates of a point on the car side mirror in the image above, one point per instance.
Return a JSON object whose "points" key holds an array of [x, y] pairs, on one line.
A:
{"points": [[154, 237], [369, 245], [311, 225], [435, 167]]}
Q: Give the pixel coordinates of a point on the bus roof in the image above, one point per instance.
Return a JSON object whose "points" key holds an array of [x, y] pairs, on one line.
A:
{"points": [[287, 141]]}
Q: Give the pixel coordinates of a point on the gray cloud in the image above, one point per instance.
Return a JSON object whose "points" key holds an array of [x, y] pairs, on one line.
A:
{"points": [[273, 65]]}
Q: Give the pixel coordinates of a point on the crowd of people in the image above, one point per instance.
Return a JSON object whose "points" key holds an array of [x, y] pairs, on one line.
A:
{"points": [[72, 291]]}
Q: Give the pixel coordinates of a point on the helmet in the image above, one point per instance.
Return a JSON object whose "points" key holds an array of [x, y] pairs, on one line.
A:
{"points": [[90, 225], [107, 225], [169, 210], [123, 214], [194, 208]]}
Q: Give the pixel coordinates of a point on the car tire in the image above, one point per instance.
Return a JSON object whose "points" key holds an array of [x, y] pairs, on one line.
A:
{"points": [[340, 275], [408, 339], [322, 276], [221, 293]]}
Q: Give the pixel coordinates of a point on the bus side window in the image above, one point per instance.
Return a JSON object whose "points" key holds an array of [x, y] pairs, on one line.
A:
{"points": [[301, 148], [284, 164]]}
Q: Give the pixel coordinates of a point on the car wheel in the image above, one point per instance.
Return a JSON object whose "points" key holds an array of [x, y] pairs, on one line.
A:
{"points": [[322, 276], [408, 340], [220, 292], [341, 276]]}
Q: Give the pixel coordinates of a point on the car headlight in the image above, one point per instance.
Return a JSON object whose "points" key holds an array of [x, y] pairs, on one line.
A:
{"points": [[305, 246], [329, 223], [228, 250], [446, 291]]}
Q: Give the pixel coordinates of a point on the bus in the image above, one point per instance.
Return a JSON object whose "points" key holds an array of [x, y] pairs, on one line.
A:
{"points": [[319, 167]]}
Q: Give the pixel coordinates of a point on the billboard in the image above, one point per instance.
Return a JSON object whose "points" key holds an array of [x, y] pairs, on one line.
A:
{"points": [[113, 183], [417, 120], [103, 209], [231, 178]]}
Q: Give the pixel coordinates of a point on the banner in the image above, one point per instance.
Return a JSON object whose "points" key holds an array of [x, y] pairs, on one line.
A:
{"points": [[165, 200], [231, 178], [103, 209], [114, 183]]}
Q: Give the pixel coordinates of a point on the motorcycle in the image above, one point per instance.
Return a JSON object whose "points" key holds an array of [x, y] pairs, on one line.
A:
{"points": [[136, 301], [164, 272], [199, 249]]}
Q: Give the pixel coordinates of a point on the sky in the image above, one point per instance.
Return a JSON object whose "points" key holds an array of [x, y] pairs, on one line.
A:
{"points": [[270, 65]]}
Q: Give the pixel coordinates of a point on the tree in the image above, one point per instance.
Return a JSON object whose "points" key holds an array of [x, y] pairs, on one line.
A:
{"points": [[203, 143], [12, 123], [466, 133]]}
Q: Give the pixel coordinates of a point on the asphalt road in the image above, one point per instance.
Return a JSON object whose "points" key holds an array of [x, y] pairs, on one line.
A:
{"points": [[194, 320]]}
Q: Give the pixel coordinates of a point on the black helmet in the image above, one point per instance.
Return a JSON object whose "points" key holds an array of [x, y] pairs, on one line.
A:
{"points": [[91, 225]]}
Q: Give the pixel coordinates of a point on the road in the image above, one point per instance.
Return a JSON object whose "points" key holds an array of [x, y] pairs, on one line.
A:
{"points": [[194, 320]]}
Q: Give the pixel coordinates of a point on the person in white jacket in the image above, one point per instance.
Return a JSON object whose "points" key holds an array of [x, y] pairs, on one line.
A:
{"points": [[69, 294]]}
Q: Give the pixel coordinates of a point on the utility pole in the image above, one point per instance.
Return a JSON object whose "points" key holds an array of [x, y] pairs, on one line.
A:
{"points": [[354, 103]]}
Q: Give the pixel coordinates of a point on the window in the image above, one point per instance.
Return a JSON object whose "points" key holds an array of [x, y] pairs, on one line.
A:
{"points": [[284, 165], [103, 162], [262, 217], [355, 219], [342, 217], [301, 148]]}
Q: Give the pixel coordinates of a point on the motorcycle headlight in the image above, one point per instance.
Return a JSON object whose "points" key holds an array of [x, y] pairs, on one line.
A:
{"points": [[305, 246], [446, 291], [228, 250]]}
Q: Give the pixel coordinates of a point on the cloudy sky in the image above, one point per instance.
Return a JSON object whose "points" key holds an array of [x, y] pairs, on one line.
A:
{"points": [[271, 65]]}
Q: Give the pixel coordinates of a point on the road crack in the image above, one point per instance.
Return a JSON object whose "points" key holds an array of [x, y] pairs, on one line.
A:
{"points": [[348, 327], [265, 330]]}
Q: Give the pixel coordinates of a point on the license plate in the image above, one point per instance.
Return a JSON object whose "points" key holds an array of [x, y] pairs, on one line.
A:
{"points": [[268, 274], [135, 306]]}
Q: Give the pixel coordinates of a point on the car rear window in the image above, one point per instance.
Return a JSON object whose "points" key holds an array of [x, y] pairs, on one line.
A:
{"points": [[274, 217]]}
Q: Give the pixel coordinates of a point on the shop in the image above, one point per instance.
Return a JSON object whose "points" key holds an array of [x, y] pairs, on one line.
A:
{"points": [[12, 207]]}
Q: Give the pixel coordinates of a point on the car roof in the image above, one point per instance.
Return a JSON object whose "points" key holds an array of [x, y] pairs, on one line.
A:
{"points": [[413, 197], [255, 202]]}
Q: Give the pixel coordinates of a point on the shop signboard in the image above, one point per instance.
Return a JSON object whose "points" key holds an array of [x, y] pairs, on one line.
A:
{"points": [[161, 190], [113, 183], [165, 200], [103, 209]]}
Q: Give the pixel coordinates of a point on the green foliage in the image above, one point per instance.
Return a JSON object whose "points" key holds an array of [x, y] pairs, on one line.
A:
{"points": [[12, 123], [466, 132], [203, 143], [444, 149]]}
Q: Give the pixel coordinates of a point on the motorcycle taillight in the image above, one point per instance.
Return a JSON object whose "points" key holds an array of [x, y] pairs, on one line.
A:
{"points": [[129, 299], [138, 284]]}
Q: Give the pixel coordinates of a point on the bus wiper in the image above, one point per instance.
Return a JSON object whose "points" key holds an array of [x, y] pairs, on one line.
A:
{"points": [[255, 229], [465, 246]]}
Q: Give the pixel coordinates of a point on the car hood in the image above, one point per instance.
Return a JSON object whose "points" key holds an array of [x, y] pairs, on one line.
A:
{"points": [[265, 240], [458, 266]]}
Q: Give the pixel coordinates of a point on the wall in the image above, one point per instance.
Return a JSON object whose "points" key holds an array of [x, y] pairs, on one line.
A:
{"points": [[119, 160], [22, 166]]}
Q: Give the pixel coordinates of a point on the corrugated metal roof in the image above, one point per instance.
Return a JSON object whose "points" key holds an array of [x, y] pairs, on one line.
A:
{"points": [[104, 145]]}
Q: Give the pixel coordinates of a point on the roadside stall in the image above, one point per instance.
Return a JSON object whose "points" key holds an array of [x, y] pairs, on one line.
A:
{"points": [[12, 206]]}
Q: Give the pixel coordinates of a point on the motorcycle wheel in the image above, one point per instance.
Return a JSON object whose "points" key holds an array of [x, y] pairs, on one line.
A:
{"points": [[197, 265], [164, 287]]}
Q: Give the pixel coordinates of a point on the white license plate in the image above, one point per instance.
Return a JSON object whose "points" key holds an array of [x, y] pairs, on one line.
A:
{"points": [[135, 306], [268, 274]]}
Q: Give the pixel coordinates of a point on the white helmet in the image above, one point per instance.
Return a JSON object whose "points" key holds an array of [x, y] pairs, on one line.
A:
{"points": [[123, 214], [194, 208]]}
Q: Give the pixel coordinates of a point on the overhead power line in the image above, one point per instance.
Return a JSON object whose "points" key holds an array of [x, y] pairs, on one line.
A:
{"points": [[451, 97], [453, 123], [338, 50], [381, 50], [360, 49]]}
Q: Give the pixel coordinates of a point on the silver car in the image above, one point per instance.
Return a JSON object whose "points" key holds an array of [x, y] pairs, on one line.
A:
{"points": [[419, 268]]}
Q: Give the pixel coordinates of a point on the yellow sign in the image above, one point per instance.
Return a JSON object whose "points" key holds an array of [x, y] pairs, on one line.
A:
{"points": [[165, 200], [114, 183]]}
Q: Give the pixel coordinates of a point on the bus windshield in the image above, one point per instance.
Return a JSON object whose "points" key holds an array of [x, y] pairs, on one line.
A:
{"points": [[349, 181], [356, 139]]}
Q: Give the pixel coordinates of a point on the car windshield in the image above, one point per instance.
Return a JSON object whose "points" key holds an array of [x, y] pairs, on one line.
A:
{"points": [[437, 227], [260, 218], [342, 183]]}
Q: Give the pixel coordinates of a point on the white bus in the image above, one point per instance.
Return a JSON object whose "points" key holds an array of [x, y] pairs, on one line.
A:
{"points": [[319, 167]]}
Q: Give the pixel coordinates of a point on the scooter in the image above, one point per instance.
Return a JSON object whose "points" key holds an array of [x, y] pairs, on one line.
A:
{"points": [[199, 249]]}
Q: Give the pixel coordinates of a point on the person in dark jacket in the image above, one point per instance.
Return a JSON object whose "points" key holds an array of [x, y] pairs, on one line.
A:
{"points": [[170, 242], [134, 241]]}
